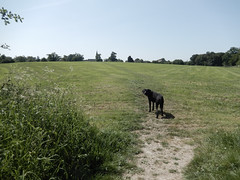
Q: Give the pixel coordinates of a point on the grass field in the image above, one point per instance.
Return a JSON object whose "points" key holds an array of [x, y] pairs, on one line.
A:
{"points": [[204, 100]]}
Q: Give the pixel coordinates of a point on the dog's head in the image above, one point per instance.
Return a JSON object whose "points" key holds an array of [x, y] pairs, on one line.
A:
{"points": [[147, 92]]}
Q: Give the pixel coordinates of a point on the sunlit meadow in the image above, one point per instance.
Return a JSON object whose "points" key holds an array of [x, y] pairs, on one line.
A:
{"points": [[77, 119]]}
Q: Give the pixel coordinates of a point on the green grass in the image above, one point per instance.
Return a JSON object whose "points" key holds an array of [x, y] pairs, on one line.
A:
{"points": [[202, 99], [218, 157], [44, 136]]}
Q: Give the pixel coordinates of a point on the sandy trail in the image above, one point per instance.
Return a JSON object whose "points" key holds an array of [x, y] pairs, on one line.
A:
{"points": [[163, 156]]}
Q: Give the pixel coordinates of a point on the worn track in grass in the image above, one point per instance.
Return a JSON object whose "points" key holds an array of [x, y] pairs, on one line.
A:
{"points": [[163, 156]]}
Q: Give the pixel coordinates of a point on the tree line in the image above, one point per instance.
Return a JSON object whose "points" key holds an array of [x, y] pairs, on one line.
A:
{"points": [[229, 58]]}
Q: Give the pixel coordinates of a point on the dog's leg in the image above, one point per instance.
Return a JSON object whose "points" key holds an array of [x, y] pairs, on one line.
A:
{"points": [[161, 107], [149, 105], [157, 113], [153, 106]]}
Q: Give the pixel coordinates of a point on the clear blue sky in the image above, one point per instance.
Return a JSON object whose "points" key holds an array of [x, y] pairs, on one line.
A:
{"points": [[146, 29]]}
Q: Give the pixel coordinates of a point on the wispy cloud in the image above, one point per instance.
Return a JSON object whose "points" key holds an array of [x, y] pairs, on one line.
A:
{"points": [[50, 4]]}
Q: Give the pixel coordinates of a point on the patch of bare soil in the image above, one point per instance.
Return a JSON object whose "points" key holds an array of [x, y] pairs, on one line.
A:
{"points": [[163, 156]]}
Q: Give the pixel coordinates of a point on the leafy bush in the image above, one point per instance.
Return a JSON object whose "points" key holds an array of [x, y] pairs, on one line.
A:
{"points": [[43, 135], [217, 158]]}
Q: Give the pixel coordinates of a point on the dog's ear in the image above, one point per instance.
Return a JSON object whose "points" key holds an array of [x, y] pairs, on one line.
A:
{"points": [[148, 92], [144, 91]]}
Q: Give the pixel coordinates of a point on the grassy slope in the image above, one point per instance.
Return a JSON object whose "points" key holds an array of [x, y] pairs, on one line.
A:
{"points": [[202, 99]]}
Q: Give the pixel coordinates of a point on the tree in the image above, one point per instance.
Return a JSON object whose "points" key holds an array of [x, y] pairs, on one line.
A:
{"points": [[178, 61], [43, 59], [53, 57], [233, 50], [234, 56], [20, 59], [216, 59], [5, 59], [231, 57], [138, 60], [113, 57], [193, 59], [5, 46], [73, 57], [130, 59], [6, 17], [238, 63], [98, 57], [31, 59], [77, 57]]}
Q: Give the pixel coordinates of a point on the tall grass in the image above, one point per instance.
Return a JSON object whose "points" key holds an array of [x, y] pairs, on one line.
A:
{"points": [[44, 136]]}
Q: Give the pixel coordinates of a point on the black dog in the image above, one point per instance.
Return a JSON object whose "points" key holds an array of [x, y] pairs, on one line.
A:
{"points": [[155, 98]]}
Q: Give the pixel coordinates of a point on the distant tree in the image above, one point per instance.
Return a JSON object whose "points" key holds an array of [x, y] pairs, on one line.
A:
{"points": [[146, 61], [43, 59], [120, 60], [231, 57], [178, 61], [130, 59], [78, 57], [5, 59], [238, 63], [31, 59], [155, 61], [73, 57], [26, 59], [98, 57], [233, 50], [53, 57], [38, 59], [20, 59], [193, 59], [65, 58], [234, 56], [234, 59], [113, 57], [137, 60], [215, 59]]}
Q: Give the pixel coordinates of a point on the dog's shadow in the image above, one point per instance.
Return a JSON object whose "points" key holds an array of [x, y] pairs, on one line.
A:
{"points": [[166, 115]]}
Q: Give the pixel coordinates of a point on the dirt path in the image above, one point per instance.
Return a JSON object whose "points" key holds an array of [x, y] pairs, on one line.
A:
{"points": [[163, 156]]}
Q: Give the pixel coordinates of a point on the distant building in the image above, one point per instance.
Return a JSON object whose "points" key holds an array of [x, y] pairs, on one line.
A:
{"points": [[161, 61]]}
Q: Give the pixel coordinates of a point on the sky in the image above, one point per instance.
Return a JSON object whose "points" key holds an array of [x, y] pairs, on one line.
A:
{"points": [[145, 29]]}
